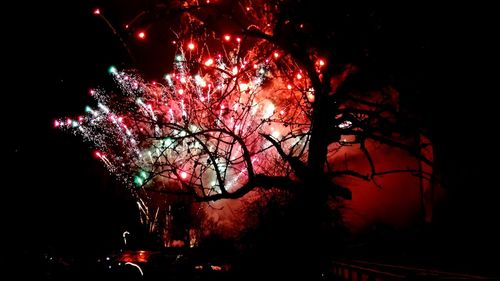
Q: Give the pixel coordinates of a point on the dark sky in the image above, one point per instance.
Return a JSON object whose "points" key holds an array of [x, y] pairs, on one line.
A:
{"points": [[59, 195]]}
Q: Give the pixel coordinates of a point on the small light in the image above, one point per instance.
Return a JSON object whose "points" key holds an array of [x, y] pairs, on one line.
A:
{"points": [[209, 62], [289, 87], [57, 123], [97, 154], [310, 97], [282, 112], [183, 175], [126, 26], [299, 76], [235, 70], [321, 62], [112, 70], [248, 8], [276, 55], [181, 91], [191, 46], [138, 181], [238, 39], [97, 11], [227, 37], [183, 80], [243, 87], [141, 35]]}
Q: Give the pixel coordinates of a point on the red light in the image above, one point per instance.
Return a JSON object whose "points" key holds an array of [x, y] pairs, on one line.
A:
{"points": [[248, 8], [238, 39], [184, 175], [68, 121], [80, 118], [299, 76], [97, 11], [191, 46], [141, 35], [321, 62], [282, 112], [56, 123], [276, 55], [126, 26], [97, 154], [227, 37], [289, 87]]}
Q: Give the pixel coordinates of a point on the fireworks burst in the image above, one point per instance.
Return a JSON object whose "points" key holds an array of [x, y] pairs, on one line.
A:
{"points": [[200, 130]]}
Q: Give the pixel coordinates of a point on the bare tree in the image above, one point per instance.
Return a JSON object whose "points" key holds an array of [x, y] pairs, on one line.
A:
{"points": [[265, 106]]}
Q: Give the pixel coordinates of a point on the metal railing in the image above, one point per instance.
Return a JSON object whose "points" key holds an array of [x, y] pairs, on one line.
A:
{"points": [[358, 270]]}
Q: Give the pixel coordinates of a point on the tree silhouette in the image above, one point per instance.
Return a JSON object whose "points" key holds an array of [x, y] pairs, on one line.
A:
{"points": [[262, 95]]}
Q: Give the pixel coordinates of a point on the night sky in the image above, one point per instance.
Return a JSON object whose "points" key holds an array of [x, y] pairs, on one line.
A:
{"points": [[60, 197]]}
